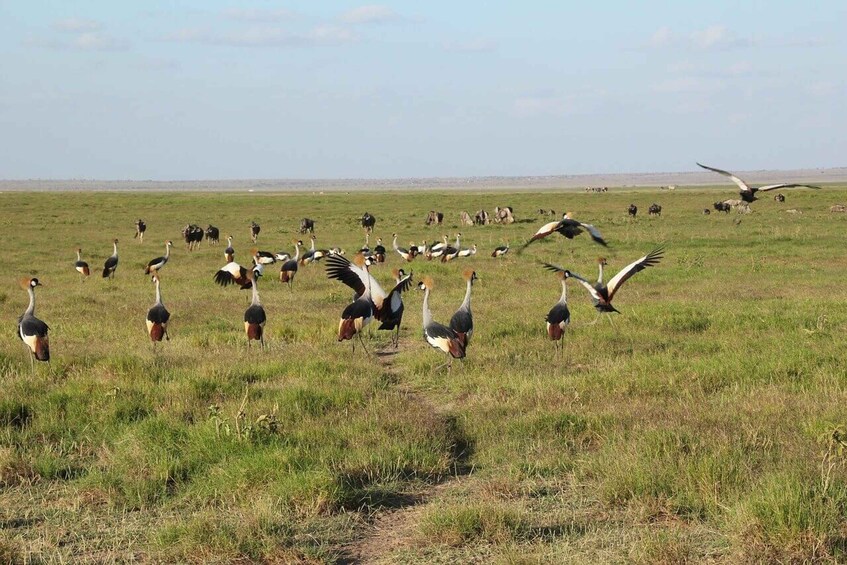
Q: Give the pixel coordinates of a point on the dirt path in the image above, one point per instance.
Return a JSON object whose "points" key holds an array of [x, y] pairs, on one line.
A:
{"points": [[391, 529]]}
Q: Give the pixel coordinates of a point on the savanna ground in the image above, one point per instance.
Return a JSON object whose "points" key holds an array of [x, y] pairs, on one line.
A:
{"points": [[705, 425]]}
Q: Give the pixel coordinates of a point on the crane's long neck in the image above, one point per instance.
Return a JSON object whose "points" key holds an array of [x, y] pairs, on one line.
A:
{"points": [[466, 303], [564, 298], [115, 252], [167, 250], [158, 293], [600, 277], [394, 243], [255, 301], [78, 255], [30, 310], [313, 244], [427, 315], [229, 241], [457, 240], [367, 282], [297, 251], [367, 239]]}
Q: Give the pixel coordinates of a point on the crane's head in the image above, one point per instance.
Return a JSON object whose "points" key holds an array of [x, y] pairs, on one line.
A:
{"points": [[602, 261], [115, 241], [426, 283], [30, 283], [470, 275], [169, 243]]}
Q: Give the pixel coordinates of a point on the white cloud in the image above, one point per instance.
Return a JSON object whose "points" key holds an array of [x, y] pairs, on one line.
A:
{"points": [[96, 41], [473, 46], [662, 37], [264, 36], [687, 85], [77, 25], [716, 37], [371, 14], [256, 15], [534, 106]]}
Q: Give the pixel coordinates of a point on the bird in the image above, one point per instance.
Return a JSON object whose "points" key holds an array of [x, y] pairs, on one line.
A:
{"points": [[438, 335], [468, 252], [155, 264], [569, 228], [289, 268], [264, 257], [157, 316], [559, 316], [366, 250], [462, 321], [747, 192], [393, 315], [379, 251], [229, 252], [258, 265], [254, 316], [500, 250], [437, 250], [233, 273], [359, 314], [387, 307], [111, 263], [404, 253], [603, 294], [601, 262], [313, 254], [81, 266], [451, 252], [31, 330]]}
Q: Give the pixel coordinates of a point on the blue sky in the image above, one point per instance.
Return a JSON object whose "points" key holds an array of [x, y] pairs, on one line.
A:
{"points": [[260, 89]]}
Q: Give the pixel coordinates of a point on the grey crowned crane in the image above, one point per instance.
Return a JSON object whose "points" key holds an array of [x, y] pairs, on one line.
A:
{"points": [[313, 254], [258, 267], [31, 330], [264, 257], [404, 253], [366, 250], [379, 251], [229, 252], [289, 268], [468, 252], [559, 316], [111, 263], [437, 250], [155, 264], [500, 250], [233, 273], [438, 335], [359, 314], [451, 252], [462, 321], [158, 316], [387, 308], [603, 294], [81, 266], [747, 192], [567, 227], [254, 316]]}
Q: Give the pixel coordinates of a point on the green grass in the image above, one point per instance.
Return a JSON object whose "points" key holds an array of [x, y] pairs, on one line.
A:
{"points": [[705, 425]]}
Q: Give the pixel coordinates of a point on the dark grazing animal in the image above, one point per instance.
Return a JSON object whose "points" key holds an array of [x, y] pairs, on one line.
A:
{"points": [[632, 210], [722, 207], [140, 228], [434, 218], [654, 210], [193, 235], [307, 225], [779, 197], [213, 234], [368, 221]]}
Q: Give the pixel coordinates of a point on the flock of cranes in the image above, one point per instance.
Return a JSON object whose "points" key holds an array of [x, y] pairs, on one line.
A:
{"points": [[370, 302]]}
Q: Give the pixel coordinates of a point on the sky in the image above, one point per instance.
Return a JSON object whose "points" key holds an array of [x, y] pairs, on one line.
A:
{"points": [[211, 89]]}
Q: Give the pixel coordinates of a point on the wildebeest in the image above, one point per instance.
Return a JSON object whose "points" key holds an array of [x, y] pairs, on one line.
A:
{"points": [[504, 215], [465, 219], [722, 207], [481, 218], [368, 222], [213, 234], [307, 225], [632, 210], [779, 197], [654, 210], [140, 228], [193, 235], [254, 231], [434, 218]]}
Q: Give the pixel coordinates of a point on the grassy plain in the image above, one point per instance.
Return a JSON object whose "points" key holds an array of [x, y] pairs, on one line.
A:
{"points": [[705, 425]]}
